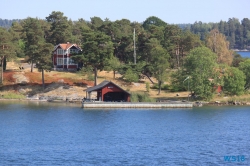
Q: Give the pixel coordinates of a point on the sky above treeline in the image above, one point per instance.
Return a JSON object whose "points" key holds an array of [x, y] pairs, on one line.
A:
{"points": [[170, 11]]}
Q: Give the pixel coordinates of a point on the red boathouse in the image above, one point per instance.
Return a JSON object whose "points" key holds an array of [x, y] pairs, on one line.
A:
{"points": [[109, 92]]}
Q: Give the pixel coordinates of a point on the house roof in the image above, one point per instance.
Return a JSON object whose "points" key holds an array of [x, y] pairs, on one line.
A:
{"points": [[101, 85], [66, 46]]}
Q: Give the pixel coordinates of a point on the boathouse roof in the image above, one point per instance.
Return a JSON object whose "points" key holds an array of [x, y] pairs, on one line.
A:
{"points": [[102, 85]]}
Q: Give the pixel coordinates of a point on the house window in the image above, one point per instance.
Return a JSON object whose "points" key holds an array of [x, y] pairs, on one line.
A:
{"points": [[63, 61], [60, 61], [59, 51], [73, 51]]}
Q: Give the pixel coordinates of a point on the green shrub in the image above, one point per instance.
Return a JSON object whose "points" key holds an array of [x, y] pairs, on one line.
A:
{"points": [[141, 97], [13, 96], [90, 76], [234, 81], [134, 97], [163, 86], [177, 88], [131, 76], [88, 71]]}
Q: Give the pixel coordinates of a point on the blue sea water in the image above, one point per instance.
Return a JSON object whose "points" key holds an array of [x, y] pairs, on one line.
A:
{"points": [[244, 54], [62, 134]]}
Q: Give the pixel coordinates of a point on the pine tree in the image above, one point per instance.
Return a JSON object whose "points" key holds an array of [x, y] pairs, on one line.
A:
{"points": [[7, 50], [34, 36], [60, 30], [43, 60]]}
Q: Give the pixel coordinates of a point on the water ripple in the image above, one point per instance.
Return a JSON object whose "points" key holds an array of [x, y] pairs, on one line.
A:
{"points": [[66, 135]]}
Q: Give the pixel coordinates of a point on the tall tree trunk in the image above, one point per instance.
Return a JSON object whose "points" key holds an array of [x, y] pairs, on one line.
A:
{"points": [[43, 79], [177, 57], [31, 67], [95, 70], [159, 90], [149, 78], [4, 63], [182, 55]]}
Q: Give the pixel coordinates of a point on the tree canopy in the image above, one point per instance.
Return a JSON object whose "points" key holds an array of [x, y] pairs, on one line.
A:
{"points": [[152, 20], [234, 81], [60, 30], [33, 38], [200, 67], [220, 46], [245, 67], [98, 49]]}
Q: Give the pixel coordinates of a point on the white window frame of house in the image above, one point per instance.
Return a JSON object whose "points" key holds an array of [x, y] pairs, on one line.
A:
{"points": [[60, 51], [73, 51], [66, 51], [60, 61], [63, 61]]}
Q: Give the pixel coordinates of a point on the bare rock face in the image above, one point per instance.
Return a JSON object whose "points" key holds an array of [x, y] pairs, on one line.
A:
{"points": [[21, 90], [60, 81], [21, 79]]}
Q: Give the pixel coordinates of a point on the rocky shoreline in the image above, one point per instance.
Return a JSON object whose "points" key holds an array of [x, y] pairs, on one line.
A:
{"points": [[61, 99], [78, 100], [227, 103]]}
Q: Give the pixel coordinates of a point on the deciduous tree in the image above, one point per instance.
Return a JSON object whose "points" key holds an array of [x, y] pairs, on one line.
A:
{"points": [[234, 81], [200, 67], [220, 46], [245, 67], [159, 65]]}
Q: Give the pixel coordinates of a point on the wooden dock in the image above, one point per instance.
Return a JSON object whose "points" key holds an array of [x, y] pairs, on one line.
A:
{"points": [[137, 105]]}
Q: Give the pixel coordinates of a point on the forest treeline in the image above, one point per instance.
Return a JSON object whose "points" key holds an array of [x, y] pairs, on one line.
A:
{"points": [[237, 32], [6, 23], [151, 49]]}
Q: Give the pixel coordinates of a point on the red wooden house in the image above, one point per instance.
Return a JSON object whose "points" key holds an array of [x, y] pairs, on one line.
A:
{"points": [[217, 88], [109, 91], [62, 56]]}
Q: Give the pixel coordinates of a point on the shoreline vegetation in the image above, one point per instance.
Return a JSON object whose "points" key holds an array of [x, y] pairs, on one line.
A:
{"points": [[62, 90], [135, 97]]}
